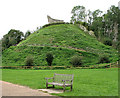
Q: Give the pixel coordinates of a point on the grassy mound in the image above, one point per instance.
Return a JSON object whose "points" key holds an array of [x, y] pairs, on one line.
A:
{"points": [[63, 35], [64, 41], [15, 56]]}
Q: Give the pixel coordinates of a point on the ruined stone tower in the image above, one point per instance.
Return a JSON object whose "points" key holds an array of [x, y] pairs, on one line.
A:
{"points": [[51, 20]]}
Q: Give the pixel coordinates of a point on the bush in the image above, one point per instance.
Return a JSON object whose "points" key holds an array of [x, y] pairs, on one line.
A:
{"points": [[108, 42], [49, 58], [29, 61], [104, 59], [76, 61]]}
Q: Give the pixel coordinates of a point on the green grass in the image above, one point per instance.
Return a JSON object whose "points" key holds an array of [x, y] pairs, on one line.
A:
{"points": [[64, 36], [15, 56], [87, 82]]}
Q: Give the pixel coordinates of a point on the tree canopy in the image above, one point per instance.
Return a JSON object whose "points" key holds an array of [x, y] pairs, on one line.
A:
{"points": [[105, 26], [78, 14], [12, 38]]}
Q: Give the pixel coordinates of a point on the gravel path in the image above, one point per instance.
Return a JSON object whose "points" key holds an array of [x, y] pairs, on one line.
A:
{"points": [[9, 89]]}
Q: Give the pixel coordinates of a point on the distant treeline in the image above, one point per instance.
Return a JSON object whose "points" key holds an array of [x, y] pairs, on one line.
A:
{"points": [[105, 25]]}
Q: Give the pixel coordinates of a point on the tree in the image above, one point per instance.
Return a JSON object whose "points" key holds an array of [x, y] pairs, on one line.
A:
{"points": [[96, 26], [27, 34], [90, 18], [78, 14], [12, 38], [96, 13], [118, 45], [111, 26], [104, 25], [18, 35], [5, 42], [49, 58], [12, 41], [114, 19]]}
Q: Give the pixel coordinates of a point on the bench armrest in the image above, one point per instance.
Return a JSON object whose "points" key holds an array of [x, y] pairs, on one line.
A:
{"points": [[47, 79]]}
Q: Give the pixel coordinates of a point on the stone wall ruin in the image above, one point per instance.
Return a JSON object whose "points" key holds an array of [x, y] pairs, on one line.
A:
{"points": [[51, 20]]}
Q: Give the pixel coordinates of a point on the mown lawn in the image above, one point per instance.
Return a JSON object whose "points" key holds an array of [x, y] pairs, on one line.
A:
{"points": [[87, 82]]}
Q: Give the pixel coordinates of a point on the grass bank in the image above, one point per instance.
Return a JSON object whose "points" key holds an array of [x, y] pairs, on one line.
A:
{"points": [[87, 82]]}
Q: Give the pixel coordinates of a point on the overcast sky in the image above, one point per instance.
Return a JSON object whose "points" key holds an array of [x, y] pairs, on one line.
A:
{"points": [[26, 15]]}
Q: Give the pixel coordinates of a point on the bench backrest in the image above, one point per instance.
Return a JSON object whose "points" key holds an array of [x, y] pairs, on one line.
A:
{"points": [[59, 77]]}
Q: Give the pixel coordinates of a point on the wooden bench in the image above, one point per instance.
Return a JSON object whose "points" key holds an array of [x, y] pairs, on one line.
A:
{"points": [[63, 80]]}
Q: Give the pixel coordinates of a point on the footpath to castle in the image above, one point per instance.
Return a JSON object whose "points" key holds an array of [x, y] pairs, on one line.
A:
{"points": [[9, 89]]}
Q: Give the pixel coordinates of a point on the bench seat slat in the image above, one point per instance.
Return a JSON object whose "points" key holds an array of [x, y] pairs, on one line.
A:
{"points": [[59, 84]]}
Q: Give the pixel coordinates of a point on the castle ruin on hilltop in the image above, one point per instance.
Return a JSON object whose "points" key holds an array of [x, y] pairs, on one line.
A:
{"points": [[51, 20]]}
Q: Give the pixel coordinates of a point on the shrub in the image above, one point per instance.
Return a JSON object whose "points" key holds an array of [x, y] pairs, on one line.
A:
{"points": [[29, 61], [76, 61], [49, 58], [104, 59], [108, 42]]}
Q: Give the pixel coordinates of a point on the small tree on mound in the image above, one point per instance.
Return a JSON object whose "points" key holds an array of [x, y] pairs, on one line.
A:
{"points": [[29, 61], [76, 61], [49, 58], [104, 59]]}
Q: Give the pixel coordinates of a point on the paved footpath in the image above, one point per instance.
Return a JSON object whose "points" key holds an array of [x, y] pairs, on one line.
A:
{"points": [[9, 89]]}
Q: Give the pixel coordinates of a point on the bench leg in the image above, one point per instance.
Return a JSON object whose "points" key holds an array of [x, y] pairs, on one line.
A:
{"points": [[46, 85], [71, 88], [63, 88], [53, 86]]}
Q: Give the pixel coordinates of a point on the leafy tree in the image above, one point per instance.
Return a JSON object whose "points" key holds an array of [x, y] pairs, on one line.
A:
{"points": [[27, 34], [111, 24], [5, 42], [12, 38], [96, 26], [104, 25], [90, 18], [78, 14], [12, 41], [18, 35], [49, 58], [118, 44], [96, 13]]}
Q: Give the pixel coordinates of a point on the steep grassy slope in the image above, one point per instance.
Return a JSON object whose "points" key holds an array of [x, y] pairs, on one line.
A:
{"points": [[64, 40], [15, 56], [63, 35]]}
